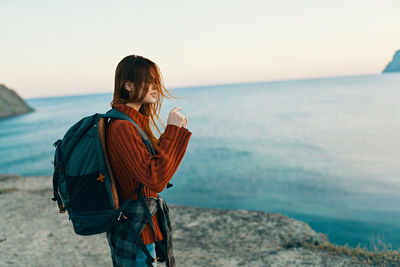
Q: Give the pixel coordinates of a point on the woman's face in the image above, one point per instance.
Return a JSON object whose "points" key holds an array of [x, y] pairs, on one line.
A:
{"points": [[151, 96]]}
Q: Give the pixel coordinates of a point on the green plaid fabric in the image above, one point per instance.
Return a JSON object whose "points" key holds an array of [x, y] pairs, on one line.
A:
{"points": [[166, 229], [120, 238]]}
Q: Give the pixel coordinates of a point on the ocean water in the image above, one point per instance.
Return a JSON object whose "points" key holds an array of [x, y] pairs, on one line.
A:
{"points": [[325, 151]]}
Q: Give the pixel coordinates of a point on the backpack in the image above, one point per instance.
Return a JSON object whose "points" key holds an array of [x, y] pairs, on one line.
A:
{"points": [[83, 183]]}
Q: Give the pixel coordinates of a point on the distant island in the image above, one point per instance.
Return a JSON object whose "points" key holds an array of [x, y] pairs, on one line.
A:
{"points": [[11, 104], [393, 65]]}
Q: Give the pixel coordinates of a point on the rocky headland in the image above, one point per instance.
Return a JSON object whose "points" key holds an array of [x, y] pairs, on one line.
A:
{"points": [[33, 233], [11, 104], [394, 65]]}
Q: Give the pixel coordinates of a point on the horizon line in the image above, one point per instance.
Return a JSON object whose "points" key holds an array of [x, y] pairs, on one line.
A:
{"points": [[217, 85]]}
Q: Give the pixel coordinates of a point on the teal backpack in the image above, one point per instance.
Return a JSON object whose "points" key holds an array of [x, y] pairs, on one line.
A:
{"points": [[83, 183]]}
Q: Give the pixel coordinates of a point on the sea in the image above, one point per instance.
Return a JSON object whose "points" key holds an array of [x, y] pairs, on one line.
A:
{"points": [[325, 151]]}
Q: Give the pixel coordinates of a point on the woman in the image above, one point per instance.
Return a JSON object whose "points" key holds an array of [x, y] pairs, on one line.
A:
{"points": [[138, 93]]}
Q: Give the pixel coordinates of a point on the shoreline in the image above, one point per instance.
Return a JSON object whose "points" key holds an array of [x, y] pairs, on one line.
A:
{"points": [[33, 233]]}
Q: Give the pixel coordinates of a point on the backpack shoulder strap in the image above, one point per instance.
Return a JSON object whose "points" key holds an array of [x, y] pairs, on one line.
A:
{"points": [[116, 114]]}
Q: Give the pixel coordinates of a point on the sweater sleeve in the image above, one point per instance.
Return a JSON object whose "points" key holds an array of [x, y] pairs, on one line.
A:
{"points": [[154, 172]]}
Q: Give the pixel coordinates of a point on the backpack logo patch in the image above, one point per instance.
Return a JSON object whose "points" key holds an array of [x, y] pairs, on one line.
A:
{"points": [[101, 177]]}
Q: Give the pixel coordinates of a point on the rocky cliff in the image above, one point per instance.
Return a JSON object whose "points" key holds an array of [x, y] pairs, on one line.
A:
{"points": [[33, 233], [11, 103], [394, 65]]}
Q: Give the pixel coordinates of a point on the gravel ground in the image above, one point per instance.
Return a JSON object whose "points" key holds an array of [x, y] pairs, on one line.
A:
{"points": [[33, 233]]}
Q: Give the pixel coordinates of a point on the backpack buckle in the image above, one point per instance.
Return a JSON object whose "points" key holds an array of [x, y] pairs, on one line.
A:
{"points": [[61, 209], [123, 216], [119, 217]]}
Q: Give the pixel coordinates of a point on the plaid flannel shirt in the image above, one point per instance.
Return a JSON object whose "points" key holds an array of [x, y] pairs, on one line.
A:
{"points": [[120, 238]]}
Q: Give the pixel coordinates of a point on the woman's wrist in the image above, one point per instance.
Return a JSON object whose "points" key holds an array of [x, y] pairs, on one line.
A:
{"points": [[173, 130]]}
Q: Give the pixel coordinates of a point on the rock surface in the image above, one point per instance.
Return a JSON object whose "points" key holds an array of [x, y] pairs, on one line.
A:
{"points": [[394, 65], [33, 233], [11, 103]]}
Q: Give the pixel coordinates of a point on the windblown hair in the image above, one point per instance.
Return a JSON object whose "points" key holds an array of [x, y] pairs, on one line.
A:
{"points": [[141, 72]]}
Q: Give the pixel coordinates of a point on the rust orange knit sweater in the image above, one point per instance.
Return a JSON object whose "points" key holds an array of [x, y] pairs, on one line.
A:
{"points": [[132, 163]]}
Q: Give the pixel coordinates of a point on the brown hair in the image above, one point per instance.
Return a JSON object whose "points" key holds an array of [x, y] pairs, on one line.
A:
{"points": [[141, 72]]}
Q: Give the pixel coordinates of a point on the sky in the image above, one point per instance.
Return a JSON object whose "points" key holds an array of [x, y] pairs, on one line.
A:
{"points": [[55, 48]]}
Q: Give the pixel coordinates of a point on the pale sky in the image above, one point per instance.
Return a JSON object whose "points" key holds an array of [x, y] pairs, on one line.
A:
{"points": [[50, 48]]}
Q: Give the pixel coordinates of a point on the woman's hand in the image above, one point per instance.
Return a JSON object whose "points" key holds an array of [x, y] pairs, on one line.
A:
{"points": [[176, 118]]}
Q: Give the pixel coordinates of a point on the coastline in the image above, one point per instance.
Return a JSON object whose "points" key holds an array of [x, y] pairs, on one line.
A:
{"points": [[11, 104], [33, 233]]}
